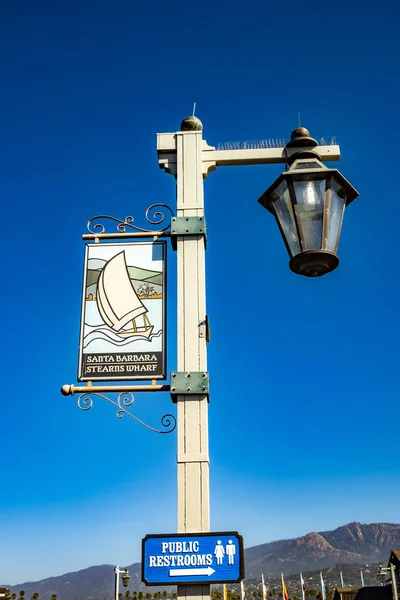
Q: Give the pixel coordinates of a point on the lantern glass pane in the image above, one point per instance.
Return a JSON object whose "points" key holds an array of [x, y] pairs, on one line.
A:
{"points": [[336, 209], [285, 217], [309, 211]]}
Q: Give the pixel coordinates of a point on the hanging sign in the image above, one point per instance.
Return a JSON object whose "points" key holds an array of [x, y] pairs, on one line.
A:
{"points": [[182, 558], [123, 312]]}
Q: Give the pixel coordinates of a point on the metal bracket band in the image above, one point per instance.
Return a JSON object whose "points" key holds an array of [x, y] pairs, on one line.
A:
{"points": [[187, 226], [192, 458], [189, 383]]}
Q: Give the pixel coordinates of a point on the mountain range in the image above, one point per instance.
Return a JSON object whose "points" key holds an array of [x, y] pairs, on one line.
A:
{"points": [[352, 544]]}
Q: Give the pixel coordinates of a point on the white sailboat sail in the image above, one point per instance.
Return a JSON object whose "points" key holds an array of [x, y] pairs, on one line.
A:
{"points": [[117, 300]]}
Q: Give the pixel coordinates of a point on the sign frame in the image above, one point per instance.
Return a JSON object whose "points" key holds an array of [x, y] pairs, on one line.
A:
{"points": [[195, 535], [122, 374]]}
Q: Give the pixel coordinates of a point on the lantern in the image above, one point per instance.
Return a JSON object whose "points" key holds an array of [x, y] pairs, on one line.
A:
{"points": [[308, 202], [125, 578]]}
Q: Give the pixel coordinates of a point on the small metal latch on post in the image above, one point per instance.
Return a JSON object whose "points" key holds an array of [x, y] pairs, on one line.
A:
{"points": [[187, 226], [204, 329], [189, 383]]}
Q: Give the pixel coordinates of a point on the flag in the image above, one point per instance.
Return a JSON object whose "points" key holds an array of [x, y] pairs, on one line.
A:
{"points": [[242, 590], [341, 579], [323, 590], [303, 587], [285, 595], [264, 588], [362, 578]]}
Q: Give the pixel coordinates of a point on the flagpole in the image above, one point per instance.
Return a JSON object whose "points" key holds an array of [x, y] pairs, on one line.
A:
{"points": [[225, 592], [341, 579]]}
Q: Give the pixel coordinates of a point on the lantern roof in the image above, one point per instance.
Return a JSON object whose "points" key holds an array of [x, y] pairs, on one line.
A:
{"points": [[307, 169]]}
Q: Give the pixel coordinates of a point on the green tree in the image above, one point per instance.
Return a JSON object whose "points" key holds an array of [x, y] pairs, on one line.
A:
{"points": [[164, 595], [53, 597], [146, 290], [148, 596]]}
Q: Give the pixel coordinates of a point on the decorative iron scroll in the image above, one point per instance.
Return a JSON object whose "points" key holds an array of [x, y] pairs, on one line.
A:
{"points": [[85, 402], [157, 217]]}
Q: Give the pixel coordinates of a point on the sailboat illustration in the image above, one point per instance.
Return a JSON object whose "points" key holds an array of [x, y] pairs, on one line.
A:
{"points": [[117, 301]]}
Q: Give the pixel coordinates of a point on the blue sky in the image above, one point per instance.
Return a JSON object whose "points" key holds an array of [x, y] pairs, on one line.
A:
{"points": [[303, 412]]}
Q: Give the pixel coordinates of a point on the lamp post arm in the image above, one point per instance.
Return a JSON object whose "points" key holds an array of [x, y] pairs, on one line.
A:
{"points": [[212, 158], [264, 156]]}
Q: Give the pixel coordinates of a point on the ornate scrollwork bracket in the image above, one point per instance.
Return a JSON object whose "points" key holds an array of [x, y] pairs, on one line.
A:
{"points": [[155, 215], [123, 400]]}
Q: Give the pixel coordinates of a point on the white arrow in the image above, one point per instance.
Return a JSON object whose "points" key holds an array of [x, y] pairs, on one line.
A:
{"points": [[184, 572]]}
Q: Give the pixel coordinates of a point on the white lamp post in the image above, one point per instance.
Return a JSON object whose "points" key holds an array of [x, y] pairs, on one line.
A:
{"points": [[311, 232], [383, 573], [125, 580]]}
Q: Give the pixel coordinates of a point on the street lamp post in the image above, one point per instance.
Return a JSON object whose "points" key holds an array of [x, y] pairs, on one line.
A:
{"points": [[125, 580], [383, 574], [308, 203]]}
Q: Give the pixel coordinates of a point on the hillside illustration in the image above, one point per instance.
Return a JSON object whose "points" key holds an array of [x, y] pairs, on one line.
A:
{"points": [[148, 284]]}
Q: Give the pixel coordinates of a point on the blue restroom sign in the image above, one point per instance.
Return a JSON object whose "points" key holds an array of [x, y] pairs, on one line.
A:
{"points": [[180, 558]]}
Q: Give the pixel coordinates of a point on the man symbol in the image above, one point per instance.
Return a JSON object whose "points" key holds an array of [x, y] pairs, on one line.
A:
{"points": [[230, 551]]}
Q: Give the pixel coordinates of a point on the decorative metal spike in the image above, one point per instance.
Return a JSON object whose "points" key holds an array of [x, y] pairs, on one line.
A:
{"points": [[254, 144]]}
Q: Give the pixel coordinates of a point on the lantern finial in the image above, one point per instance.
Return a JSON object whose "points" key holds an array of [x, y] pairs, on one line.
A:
{"points": [[301, 138], [301, 145], [299, 132]]}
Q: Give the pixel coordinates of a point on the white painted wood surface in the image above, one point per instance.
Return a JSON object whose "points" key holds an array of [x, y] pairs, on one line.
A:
{"points": [[192, 458]]}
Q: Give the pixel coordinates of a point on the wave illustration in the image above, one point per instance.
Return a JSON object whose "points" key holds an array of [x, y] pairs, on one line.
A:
{"points": [[106, 334]]}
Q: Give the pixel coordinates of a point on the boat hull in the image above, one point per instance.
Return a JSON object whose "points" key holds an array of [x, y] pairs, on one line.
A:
{"points": [[142, 331]]}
